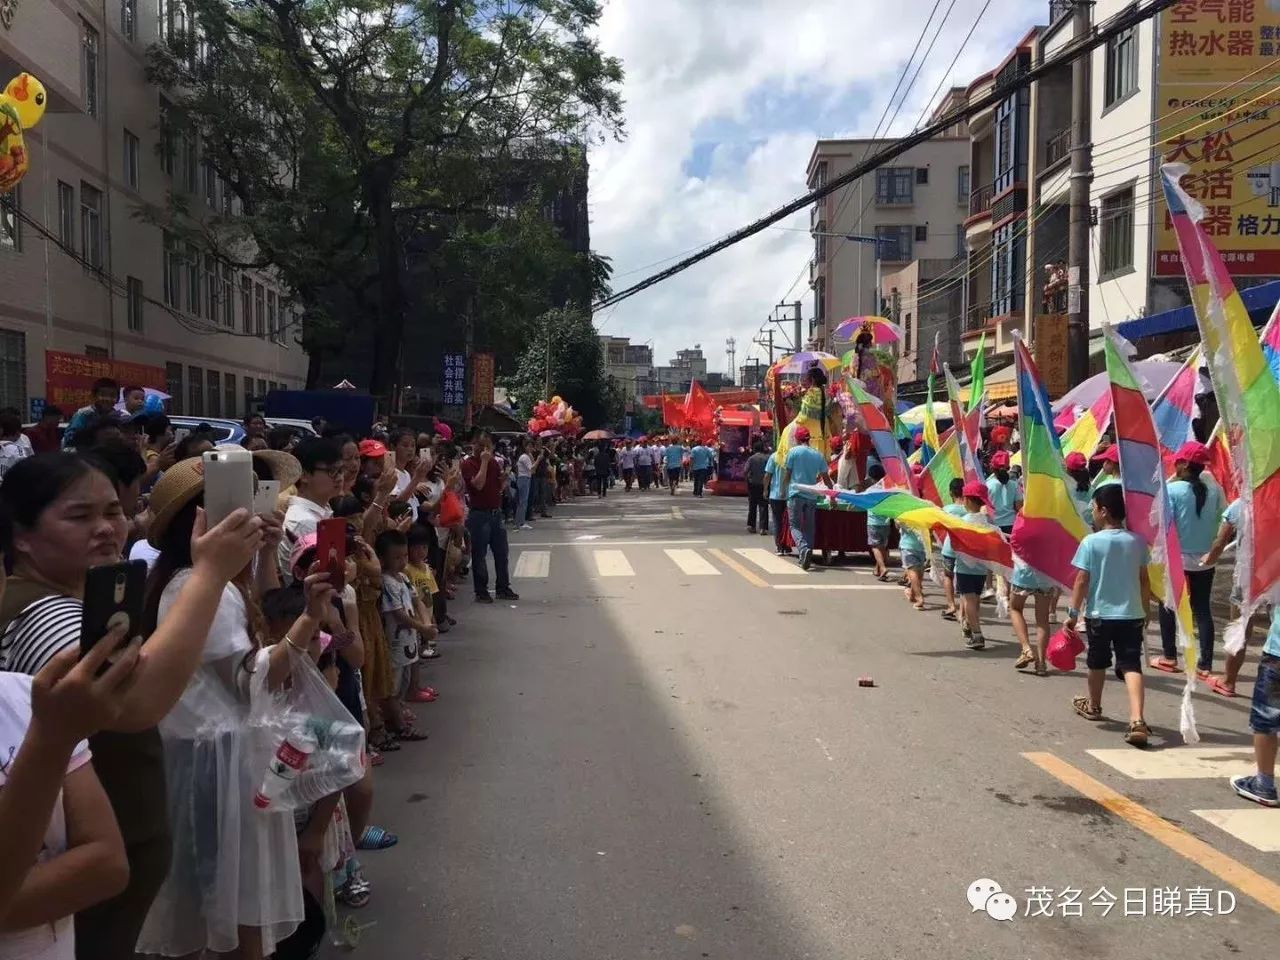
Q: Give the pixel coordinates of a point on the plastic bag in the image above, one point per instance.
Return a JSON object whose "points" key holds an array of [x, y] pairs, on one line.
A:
{"points": [[1064, 646], [308, 744], [451, 512]]}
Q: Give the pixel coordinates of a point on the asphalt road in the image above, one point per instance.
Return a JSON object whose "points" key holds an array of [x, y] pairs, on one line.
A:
{"points": [[662, 751]]}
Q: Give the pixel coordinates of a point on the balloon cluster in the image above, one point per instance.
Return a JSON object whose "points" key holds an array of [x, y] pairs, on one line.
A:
{"points": [[555, 414], [21, 107]]}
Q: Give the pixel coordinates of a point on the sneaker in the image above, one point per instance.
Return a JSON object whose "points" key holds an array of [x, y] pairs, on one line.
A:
{"points": [[1251, 788], [988, 594], [525, 526], [806, 559], [975, 641], [751, 529], [764, 533], [483, 598], [507, 594], [431, 653]]}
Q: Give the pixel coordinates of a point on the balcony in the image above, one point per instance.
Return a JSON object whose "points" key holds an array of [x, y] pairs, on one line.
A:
{"points": [[816, 213], [817, 269], [1057, 148], [980, 200], [1059, 9]]}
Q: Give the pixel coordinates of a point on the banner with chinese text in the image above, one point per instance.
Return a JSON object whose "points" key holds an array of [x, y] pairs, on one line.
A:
{"points": [[455, 377], [69, 378], [1216, 82], [482, 379]]}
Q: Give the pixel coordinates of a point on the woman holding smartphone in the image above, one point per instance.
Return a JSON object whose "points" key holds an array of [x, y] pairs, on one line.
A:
{"points": [[59, 516]]}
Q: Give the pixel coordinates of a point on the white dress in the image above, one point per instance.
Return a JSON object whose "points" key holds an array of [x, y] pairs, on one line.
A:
{"points": [[232, 864]]}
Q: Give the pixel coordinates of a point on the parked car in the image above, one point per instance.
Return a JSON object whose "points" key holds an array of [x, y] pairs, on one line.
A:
{"points": [[220, 430]]}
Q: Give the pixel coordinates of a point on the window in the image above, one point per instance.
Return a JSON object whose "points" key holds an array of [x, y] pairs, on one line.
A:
{"points": [[962, 184], [1004, 145], [190, 162], [195, 391], [191, 260], [248, 396], [820, 179], [1117, 232], [210, 177], [894, 243], [91, 224], [168, 138], [13, 369], [10, 221], [129, 18], [172, 272], [212, 287], [89, 68], [262, 389], [172, 18], [229, 391], [67, 216], [133, 299], [227, 198], [272, 332], [132, 160], [228, 300], [213, 380], [922, 233], [922, 176], [246, 303], [259, 310], [173, 386], [894, 185], [1122, 66], [908, 328]]}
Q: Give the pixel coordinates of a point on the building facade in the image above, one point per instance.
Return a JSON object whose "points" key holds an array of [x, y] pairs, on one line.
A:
{"points": [[630, 364], [80, 274]]}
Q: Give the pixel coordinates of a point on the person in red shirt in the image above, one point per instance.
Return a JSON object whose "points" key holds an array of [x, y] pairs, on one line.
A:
{"points": [[483, 479], [44, 436]]}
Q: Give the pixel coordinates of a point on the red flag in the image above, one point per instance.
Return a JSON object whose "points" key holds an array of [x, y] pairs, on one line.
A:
{"points": [[672, 412], [698, 406]]}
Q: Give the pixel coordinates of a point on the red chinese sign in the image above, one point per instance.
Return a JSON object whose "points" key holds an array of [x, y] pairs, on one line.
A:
{"points": [[69, 378], [482, 379]]}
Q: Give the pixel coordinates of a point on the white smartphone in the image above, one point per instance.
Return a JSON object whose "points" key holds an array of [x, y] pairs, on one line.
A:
{"points": [[228, 483], [265, 500]]}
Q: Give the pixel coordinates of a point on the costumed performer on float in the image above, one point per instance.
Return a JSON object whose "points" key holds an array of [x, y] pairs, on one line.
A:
{"points": [[819, 413]]}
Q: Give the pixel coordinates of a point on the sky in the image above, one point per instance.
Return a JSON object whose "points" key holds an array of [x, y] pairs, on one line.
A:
{"points": [[724, 102]]}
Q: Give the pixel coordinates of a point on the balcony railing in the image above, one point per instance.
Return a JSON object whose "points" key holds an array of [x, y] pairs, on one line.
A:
{"points": [[980, 200], [977, 316], [1057, 147], [1059, 8]]}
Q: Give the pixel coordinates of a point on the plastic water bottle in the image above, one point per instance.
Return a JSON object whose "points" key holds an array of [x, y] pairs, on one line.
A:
{"points": [[337, 762], [291, 759]]}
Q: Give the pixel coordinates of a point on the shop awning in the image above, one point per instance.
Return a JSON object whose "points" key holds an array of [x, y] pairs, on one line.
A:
{"points": [[1001, 385], [1259, 301]]}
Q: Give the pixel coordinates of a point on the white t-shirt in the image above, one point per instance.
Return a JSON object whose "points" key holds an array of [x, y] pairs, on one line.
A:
{"points": [[300, 519], [11, 451], [49, 941], [403, 480], [524, 466], [144, 551], [402, 639], [627, 458]]}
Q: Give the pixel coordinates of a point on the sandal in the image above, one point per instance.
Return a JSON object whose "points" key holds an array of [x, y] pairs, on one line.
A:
{"points": [[410, 735], [1221, 687], [375, 758], [1165, 664], [408, 717], [1082, 706], [376, 838], [354, 893], [949, 614], [1025, 659], [1138, 733], [384, 743], [919, 606]]}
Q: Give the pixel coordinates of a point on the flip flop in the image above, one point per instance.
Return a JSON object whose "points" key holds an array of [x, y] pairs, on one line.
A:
{"points": [[1164, 665], [376, 838], [949, 615], [1221, 687], [410, 735]]}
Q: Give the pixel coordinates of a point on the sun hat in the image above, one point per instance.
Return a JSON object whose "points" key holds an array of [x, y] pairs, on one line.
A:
{"points": [[978, 490], [373, 448], [802, 434], [1000, 460], [1193, 451], [176, 488], [1076, 460]]}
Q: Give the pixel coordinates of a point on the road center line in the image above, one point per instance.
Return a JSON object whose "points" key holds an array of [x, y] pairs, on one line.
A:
{"points": [[1225, 868], [736, 567], [520, 545]]}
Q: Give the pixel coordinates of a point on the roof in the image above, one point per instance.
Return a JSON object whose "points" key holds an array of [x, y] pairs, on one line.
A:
{"points": [[1259, 301]]}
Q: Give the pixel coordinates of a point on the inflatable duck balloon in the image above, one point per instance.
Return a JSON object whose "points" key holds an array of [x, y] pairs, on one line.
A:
{"points": [[21, 107]]}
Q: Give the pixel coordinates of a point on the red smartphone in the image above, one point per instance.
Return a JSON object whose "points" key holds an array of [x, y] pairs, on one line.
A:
{"points": [[331, 550]]}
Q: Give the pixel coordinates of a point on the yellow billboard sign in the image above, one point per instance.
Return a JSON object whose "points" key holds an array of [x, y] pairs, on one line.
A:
{"points": [[1219, 113]]}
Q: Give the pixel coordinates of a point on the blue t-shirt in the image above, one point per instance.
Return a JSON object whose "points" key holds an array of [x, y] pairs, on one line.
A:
{"points": [[700, 457], [1025, 578], [806, 465], [674, 456], [1084, 502], [1231, 515], [1196, 533], [956, 510], [1272, 644], [964, 565], [1004, 500], [1114, 560], [774, 473], [909, 541]]}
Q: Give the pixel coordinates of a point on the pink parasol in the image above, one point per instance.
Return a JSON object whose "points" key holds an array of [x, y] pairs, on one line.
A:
{"points": [[882, 330]]}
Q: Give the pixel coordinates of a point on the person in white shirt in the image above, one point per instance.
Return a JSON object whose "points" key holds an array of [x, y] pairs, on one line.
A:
{"points": [[524, 477], [627, 463], [14, 445], [321, 461]]}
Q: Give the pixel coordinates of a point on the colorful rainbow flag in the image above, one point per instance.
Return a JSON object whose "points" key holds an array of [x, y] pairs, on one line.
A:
{"points": [[1085, 434], [1049, 527], [945, 466], [981, 543], [967, 428], [1149, 514], [1248, 400], [1271, 343], [930, 444], [1175, 408], [978, 375], [896, 471]]}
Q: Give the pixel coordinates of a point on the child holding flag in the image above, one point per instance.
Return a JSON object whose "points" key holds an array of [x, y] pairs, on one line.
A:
{"points": [[957, 509], [878, 529], [1112, 586], [971, 575]]}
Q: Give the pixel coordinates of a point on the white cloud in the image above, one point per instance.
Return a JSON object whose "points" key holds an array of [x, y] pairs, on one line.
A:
{"points": [[758, 83]]}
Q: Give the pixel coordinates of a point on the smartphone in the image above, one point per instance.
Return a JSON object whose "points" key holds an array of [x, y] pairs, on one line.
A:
{"points": [[112, 595], [266, 498], [397, 509], [228, 483], [331, 550]]}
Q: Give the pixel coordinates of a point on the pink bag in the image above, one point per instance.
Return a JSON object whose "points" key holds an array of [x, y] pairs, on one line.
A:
{"points": [[1064, 647]]}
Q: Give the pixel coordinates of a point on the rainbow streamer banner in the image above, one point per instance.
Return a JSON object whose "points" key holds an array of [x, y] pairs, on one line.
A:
{"points": [[1248, 400], [1149, 514], [1049, 528], [942, 468], [1085, 434], [967, 428], [1271, 343], [896, 471], [1175, 408], [983, 544]]}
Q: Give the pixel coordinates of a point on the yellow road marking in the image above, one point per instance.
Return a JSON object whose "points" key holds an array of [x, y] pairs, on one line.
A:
{"points": [[1225, 868], [736, 567]]}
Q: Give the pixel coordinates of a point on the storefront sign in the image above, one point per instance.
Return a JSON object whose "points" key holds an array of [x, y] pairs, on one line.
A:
{"points": [[69, 378], [482, 379], [1051, 352]]}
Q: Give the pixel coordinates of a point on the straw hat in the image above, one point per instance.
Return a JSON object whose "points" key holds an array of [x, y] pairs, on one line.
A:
{"points": [[176, 488]]}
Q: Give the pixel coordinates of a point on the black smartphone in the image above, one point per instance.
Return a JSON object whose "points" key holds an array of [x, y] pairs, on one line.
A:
{"points": [[112, 595]]}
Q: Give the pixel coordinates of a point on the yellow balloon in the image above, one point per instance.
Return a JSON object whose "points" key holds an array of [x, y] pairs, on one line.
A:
{"points": [[29, 98], [21, 107]]}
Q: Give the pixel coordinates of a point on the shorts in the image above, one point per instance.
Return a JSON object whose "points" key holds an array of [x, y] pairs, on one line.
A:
{"points": [[1007, 531], [1028, 592], [673, 474], [912, 560], [1123, 637], [877, 536], [948, 565], [404, 685], [970, 584], [1264, 712]]}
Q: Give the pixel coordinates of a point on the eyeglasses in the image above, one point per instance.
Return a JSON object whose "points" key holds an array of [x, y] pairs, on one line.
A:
{"points": [[334, 471]]}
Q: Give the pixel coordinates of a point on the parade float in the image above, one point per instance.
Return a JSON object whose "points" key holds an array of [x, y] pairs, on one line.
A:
{"points": [[736, 432]]}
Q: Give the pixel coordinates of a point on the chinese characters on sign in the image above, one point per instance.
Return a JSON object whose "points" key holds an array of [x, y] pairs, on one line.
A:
{"points": [[69, 378], [1216, 91], [482, 379], [455, 377], [1051, 352]]}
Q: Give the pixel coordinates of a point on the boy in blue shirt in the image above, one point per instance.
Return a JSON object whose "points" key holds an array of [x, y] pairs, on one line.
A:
{"points": [[674, 460], [878, 529], [700, 458], [804, 465], [957, 509], [971, 576], [911, 547], [1112, 587], [777, 504]]}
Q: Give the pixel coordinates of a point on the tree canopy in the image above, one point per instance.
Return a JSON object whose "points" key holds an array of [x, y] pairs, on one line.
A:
{"points": [[576, 370]]}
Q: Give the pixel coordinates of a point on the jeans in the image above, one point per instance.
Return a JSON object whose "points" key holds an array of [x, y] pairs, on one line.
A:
{"points": [[756, 505], [522, 495], [546, 496], [602, 484], [644, 473], [779, 510], [803, 518], [1200, 588], [487, 532], [699, 480]]}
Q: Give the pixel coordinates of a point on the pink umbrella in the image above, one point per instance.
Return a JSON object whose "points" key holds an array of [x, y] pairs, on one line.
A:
{"points": [[882, 330]]}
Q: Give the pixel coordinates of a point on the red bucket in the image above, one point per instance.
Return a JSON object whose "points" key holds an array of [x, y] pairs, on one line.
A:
{"points": [[1064, 647]]}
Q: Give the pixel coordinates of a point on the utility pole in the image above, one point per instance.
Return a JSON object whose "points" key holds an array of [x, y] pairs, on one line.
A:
{"points": [[1081, 179], [547, 389]]}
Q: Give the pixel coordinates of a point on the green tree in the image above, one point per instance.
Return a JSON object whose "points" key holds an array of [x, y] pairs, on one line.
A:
{"points": [[576, 371], [349, 129]]}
